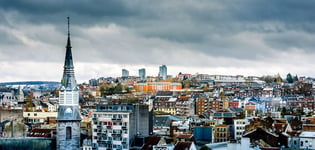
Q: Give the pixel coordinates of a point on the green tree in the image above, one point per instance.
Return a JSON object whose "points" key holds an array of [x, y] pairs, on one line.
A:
{"points": [[289, 78], [118, 88], [295, 78], [268, 79]]}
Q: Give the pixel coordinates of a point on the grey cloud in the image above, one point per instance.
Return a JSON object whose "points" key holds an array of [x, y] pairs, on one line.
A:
{"points": [[303, 41], [209, 27], [8, 39]]}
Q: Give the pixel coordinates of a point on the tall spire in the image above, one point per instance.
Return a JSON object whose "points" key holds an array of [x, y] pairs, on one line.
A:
{"points": [[68, 80], [68, 42]]}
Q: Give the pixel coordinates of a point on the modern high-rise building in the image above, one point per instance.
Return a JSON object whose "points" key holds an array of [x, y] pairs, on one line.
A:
{"points": [[124, 73], [116, 125], [68, 119], [163, 72], [142, 74]]}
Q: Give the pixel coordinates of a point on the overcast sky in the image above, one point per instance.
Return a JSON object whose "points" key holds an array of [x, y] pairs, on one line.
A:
{"points": [[236, 37]]}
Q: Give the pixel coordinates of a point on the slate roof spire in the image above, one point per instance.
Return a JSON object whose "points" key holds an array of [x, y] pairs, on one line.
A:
{"points": [[68, 79]]}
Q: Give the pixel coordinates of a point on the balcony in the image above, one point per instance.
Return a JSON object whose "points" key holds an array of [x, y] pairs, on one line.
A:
{"points": [[116, 119]]}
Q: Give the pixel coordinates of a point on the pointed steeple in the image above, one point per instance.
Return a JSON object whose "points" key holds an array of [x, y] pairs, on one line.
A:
{"points": [[68, 79]]}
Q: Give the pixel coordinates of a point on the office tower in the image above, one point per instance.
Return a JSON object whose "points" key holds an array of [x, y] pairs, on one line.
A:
{"points": [[142, 74], [163, 72], [125, 73]]}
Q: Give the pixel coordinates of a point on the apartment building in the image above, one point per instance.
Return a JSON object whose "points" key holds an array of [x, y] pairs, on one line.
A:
{"points": [[239, 128], [221, 133], [115, 126], [157, 86]]}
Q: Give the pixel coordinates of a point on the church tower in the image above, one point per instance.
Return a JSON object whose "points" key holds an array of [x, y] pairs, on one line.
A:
{"points": [[68, 119]]}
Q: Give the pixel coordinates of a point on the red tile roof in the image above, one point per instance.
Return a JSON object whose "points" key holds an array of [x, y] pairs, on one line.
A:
{"points": [[185, 136]]}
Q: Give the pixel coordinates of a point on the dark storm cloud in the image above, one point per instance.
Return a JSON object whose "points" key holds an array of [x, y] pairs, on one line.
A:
{"points": [[210, 27]]}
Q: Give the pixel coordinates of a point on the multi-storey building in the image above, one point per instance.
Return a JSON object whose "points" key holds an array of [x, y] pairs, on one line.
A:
{"points": [[218, 104], [239, 128], [163, 72], [221, 133], [39, 117], [124, 73], [202, 105], [300, 102], [157, 86], [185, 106], [115, 126], [142, 74], [165, 104]]}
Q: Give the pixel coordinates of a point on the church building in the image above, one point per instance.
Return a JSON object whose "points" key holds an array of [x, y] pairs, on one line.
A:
{"points": [[68, 119]]}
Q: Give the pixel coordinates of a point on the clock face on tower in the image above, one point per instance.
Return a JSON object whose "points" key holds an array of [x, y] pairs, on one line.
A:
{"points": [[68, 112]]}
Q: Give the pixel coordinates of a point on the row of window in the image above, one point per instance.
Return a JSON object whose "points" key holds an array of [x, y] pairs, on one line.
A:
{"points": [[240, 128], [240, 122], [221, 129], [108, 123], [115, 116]]}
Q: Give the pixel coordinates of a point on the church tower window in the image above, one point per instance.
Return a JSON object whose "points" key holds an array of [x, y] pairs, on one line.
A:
{"points": [[68, 133]]}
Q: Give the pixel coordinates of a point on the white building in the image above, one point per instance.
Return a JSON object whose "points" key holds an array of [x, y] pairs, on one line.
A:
{"points": [[307, 140], [239, 128], [51, 107], [38, 117], [115, 126]]}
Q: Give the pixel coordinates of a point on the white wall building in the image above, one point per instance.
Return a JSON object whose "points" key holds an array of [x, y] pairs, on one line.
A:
{"points": [[239, 127], [307, 140], [115, 126]]}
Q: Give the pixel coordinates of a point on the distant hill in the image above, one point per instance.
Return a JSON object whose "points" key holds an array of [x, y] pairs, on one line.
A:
{"points": [[29, 83]]}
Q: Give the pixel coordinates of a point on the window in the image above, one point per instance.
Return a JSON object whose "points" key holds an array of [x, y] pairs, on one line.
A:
{"points": [[68, 133]]}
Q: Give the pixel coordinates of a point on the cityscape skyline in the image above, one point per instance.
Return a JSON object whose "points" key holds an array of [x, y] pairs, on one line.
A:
{"points": [[206, 37]]}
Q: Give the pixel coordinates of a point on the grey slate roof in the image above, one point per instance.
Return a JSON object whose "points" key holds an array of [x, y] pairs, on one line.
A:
{"points": [[64, 114], [68, 79]]}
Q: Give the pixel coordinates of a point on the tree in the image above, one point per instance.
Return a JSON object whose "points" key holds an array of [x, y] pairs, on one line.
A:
{"points": [[289, 78], [268, 79], [295, 78], [118, 88]]}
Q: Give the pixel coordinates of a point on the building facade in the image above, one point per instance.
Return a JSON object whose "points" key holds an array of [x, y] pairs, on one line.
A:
{"points": [[142, 74], [157, 86], [115, 126], [124, 73], [239, 128], [163, 72], [221, 133]]}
